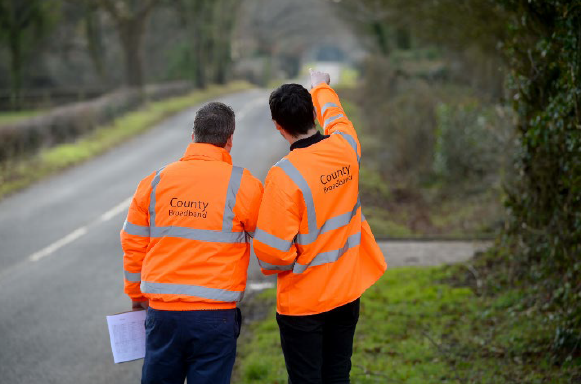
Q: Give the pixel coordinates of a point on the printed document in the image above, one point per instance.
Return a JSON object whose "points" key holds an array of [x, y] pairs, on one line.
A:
{"points": [[127, 334]]}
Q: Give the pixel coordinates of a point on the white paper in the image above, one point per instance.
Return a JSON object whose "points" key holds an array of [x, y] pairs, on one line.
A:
{"points": [[127, 334]]}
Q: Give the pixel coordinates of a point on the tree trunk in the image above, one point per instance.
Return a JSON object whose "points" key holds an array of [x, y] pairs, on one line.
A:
{"points": [[225, 25], [381, 37], [95, 42], [131, 34], [198, 43], [15, 70]]}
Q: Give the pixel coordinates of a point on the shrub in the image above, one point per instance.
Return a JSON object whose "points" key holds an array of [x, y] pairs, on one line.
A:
{"points": [[471, 143]]}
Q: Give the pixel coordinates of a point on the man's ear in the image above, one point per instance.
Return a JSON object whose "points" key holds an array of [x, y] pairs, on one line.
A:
{"points": [[229, 143], [193, 139]]}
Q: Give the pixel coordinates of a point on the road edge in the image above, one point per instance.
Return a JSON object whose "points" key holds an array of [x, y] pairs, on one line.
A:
{"points": [[20, 174]]}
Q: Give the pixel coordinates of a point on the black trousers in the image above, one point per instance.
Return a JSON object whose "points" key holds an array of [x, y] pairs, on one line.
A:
{"points": [[317, 348]]}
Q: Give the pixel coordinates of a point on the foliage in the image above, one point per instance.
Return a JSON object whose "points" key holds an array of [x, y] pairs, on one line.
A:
{"points": [[415, 327], [471, 142], [544, 53], [540, 44], [21, 173], [394, 201], [22, 26]]}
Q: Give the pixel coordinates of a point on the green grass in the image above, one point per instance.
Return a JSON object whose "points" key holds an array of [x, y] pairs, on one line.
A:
{"points": [[16, 116], [17, 175], [417, 328]]}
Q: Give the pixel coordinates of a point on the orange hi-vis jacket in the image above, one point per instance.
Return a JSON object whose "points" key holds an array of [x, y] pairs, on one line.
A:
{"points": [[185, 240], [311, 230]]}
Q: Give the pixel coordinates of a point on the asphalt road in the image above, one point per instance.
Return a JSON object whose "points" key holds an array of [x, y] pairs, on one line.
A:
{"points": [[61, 261], [60, 257]]}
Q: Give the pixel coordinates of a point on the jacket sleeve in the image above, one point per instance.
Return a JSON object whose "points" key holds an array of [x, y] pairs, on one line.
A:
{"points": [[332, 117], [278, 224], [135, 239], [248, 202]]}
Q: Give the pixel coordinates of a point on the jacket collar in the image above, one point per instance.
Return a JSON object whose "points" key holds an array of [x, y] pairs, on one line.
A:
{"points": [[202, 151], [308, 141]]}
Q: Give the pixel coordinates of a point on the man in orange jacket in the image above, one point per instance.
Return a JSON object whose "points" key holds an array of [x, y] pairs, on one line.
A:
{"points": [[312, 233], [186, 252]]}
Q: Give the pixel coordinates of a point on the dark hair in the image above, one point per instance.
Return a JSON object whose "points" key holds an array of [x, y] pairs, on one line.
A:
{"points": [[291, 106], [214, 124]]}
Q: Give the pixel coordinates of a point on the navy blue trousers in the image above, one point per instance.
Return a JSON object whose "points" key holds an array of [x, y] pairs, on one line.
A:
{"points": [[197, 345]]}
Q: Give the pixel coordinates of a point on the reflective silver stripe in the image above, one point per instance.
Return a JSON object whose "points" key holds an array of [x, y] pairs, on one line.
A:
{"points": [[268, 266], [154, 183], [199, 234], [341, 220], [330, 256], [300, 181], [314, 231], [331, 119], [133, 277], [191, 290], [224, 236], [329, 225], [328, 105], [136, 230], [363, 217], [233, 186], [272, 241], [351, 141], [274, 267]]}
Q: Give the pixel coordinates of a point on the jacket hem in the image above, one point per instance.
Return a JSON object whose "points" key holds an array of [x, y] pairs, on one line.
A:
{"points": [[186, 306]]}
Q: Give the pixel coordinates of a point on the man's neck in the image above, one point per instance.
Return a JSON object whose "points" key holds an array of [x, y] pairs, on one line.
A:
{"points": [[310, 133]]}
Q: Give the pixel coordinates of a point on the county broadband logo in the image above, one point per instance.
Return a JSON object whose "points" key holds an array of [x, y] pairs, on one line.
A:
{"points": [[336, 178], [196, 208]]}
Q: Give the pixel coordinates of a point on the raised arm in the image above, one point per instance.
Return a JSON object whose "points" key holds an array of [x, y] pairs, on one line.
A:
{"points": [[330, 113]]}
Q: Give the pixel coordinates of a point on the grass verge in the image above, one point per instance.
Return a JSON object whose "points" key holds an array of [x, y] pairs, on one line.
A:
{"points": [[21, 173], [9, 117], [419, 325]]}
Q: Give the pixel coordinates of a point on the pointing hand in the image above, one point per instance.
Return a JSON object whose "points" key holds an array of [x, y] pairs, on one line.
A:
{"points": [[318, 77]]}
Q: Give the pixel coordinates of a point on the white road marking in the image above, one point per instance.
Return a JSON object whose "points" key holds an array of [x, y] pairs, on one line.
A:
{"points": [[119, 208], [74, 235], [81, 231], [122, 207]]}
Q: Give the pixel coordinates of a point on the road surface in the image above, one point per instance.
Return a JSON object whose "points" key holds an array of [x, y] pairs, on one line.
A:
{"points": [[60, 257]]}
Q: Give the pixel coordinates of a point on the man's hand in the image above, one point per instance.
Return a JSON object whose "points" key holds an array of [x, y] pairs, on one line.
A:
{"points": [[318, 77], [139, 305]]}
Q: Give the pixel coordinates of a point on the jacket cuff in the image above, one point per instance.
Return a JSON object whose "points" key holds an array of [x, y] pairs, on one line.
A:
{"points": [[138, 299], [320, 86]]}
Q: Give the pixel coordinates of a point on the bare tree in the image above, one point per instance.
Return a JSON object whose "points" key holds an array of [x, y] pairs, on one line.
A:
{"points": [[130, 17]]}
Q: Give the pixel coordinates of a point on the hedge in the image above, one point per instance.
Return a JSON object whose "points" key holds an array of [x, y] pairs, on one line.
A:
{"points": [[68, 122]]}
